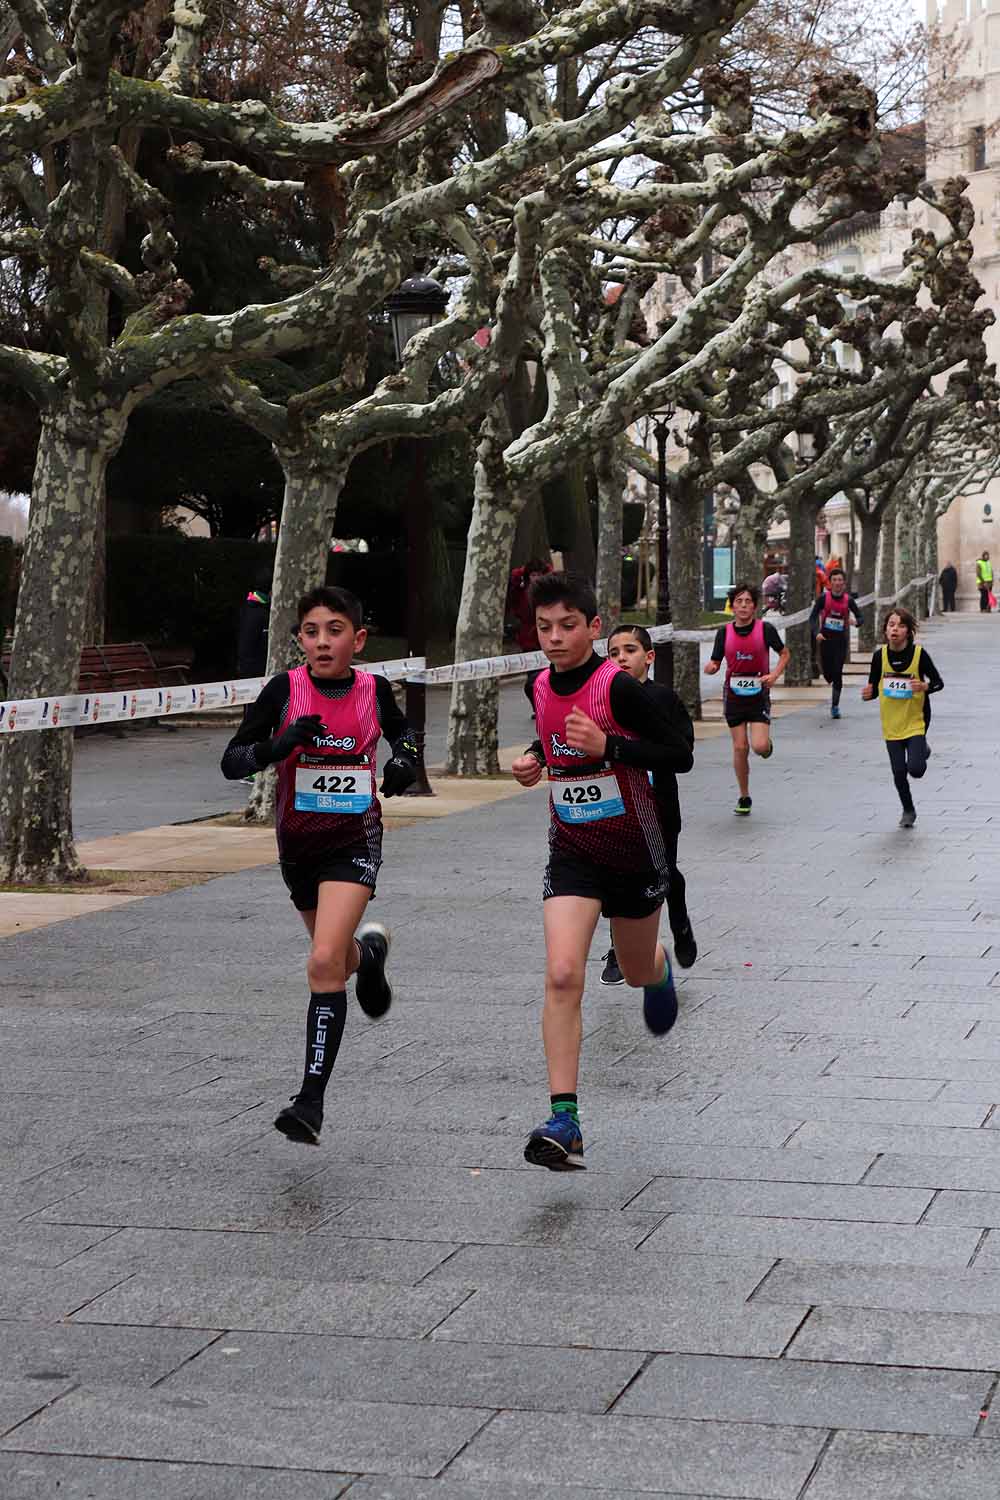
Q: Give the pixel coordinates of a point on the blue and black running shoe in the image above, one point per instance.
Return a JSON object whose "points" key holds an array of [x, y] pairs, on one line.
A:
{"points": [[557, 1145], [659, 1002]]}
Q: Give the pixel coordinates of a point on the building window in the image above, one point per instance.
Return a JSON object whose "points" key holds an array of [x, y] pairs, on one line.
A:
{"points": [[977, 148]]}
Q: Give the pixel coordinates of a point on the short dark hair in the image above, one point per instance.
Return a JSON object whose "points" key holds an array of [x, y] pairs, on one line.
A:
{"points": [[572, 589], [832, 571], [745, 588], [640, 632], [905, 616], [338, 601]]}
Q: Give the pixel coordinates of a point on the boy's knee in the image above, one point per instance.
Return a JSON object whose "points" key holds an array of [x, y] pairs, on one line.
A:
{"points": [[565, 978], [327, 964]]}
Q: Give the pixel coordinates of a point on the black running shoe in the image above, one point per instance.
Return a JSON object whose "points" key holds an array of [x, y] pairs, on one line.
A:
{"points": [[743, 806], [301, 1121], [373, 990], [685, 947], [611, 973], [908, 819], [659, 1002]]}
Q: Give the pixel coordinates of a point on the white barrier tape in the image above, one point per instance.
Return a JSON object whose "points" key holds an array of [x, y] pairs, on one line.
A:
{"points": [[530, 661], [70, 710]]}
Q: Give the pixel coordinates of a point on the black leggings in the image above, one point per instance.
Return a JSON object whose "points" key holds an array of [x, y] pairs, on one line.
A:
{"points": [[907, 758], [832, 656]]}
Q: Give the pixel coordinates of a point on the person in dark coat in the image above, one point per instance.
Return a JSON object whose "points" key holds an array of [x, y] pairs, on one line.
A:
{"points": [[949, 585], [251, 648]]}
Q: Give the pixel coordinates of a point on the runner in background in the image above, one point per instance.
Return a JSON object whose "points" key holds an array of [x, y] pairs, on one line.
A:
{"points": [[745, 644], [631, 648], [830, 623]]}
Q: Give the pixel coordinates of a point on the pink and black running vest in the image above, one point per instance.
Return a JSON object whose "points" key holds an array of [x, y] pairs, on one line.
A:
{"points": [[326, 791], [605, 811], [835, 615], [748, 658]]}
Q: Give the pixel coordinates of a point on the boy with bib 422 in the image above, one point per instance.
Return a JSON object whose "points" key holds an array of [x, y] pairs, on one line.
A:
{"points": [[600, 734], [745, 644], [830, 623], [320, 725], [902, 676]]}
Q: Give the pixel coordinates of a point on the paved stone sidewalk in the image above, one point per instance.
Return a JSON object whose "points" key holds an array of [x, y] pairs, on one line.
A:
{"points": [[778, 1280]]}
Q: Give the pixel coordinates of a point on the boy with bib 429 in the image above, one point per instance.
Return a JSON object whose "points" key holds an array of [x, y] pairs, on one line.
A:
{"points": [[600, 733], [902, 676], [745, 644], [320, 725]]}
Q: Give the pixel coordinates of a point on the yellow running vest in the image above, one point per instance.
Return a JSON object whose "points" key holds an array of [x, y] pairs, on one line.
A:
{"points": [[984, 571], [901, 708]]}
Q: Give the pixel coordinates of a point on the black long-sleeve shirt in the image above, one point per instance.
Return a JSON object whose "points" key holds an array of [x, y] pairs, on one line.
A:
{"points": [[264, 715], [900, 661], [664, 742]]}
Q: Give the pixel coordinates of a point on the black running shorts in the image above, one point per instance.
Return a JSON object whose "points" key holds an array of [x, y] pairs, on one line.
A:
{"points": [[622, 893], [755, 710], [353, 865]]}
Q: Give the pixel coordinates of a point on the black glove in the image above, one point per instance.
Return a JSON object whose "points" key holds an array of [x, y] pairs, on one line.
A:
{"points": [[299, 733], [397, 775]]}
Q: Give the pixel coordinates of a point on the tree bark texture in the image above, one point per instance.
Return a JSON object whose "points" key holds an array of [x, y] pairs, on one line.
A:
{"points": [[801, 588], [610, 474], [472, 720], [685, 594], [36, 770], [307, 515], [887, 554], [865, 582]]}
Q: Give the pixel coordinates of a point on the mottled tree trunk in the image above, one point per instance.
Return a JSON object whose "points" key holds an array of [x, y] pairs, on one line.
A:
{"points": [[307, 516], [685, 595], [749, 545], [865, 580], [472, 720], [929, 560], [531, 537], [610, 474], [36, 770], [907, 558], [887, 555], [801, 589], [580, 556]]}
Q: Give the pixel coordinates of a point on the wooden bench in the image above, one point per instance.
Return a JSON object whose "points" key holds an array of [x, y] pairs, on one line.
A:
{"points": [[110, 668]]}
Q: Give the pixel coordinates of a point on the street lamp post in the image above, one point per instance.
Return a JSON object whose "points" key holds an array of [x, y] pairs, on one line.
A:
{"points": [[416, 304], [664, 665]]}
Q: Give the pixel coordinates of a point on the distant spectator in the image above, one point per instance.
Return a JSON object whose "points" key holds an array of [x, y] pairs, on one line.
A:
{"points": [[821, 579], [949, 586], [251, 649], [984, 582]]}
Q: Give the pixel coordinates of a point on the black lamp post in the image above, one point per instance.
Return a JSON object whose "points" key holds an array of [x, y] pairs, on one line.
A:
{"points": [[664, 666], [417, 303]]}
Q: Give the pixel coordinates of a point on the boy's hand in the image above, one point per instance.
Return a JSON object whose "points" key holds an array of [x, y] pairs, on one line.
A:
{"points": [[769, 679], [918, 686], [867, 692], [583, 734], [527, 769], [303, 730], [711, 667]]}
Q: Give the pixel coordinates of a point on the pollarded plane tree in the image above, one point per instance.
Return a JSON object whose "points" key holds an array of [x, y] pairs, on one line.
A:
{"points": [[910, 332], [123, 332], [747, 191]]}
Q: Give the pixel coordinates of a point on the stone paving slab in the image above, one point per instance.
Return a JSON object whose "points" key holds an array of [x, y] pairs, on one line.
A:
{"points": [[872, 1398], [38, 1476], [731, 1459], [944, 1341], [907, 1468], [333, 1436]]}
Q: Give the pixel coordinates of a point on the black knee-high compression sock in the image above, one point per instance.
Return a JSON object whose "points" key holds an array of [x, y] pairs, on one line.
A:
{"points": [[324, 1031]]}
